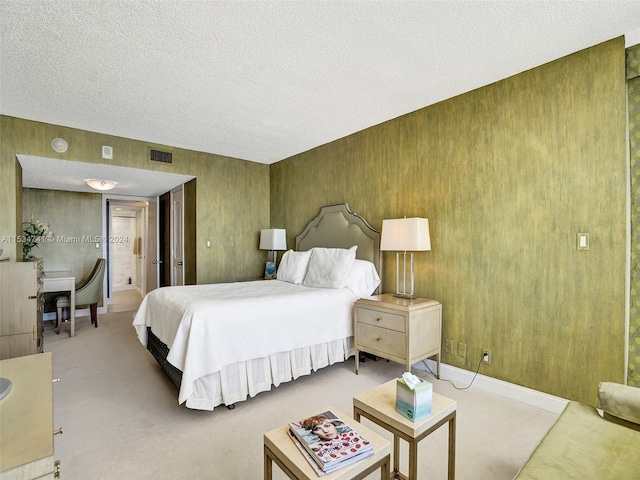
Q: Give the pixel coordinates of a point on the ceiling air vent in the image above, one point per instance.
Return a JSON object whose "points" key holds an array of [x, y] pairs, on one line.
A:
{"points": [[159, 156]]}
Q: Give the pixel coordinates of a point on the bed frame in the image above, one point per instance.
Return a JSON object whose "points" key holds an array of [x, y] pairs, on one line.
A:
{"points": [[336, 226]]}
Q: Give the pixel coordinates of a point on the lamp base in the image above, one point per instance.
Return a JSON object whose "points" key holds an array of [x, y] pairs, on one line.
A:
{"points": [[406, 296]]}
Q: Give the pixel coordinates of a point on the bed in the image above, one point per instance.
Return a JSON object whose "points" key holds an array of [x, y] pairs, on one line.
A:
{"points": [[223, 343]]}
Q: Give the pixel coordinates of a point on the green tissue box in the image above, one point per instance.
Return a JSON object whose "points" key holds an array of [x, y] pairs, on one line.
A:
{"points": [[414, 404]]}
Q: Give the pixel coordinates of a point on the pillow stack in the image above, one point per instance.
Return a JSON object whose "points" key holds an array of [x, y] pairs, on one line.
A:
{"points": [[329, 268]]}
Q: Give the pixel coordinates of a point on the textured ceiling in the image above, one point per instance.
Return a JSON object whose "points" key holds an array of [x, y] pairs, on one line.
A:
{"points": [[264, 80]]}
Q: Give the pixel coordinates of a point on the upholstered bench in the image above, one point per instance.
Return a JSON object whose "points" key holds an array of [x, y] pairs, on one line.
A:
{"points": [[583, 444]]}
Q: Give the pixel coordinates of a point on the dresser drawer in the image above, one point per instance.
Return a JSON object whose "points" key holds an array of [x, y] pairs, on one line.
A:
{"points": [[376, 318], [381, 340]]}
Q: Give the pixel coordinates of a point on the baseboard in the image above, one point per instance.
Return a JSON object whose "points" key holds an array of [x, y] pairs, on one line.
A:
{"points": [[528, 396], [124, 288], [80, 312]]}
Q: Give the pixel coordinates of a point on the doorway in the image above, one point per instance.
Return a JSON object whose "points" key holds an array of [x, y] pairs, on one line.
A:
{"points": [[149, 243], [131, 242]]}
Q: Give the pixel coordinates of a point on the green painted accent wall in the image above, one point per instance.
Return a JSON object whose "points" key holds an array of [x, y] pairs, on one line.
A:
{"points": [[508, 175], [73, 217], [230, 205], [633, 85]]}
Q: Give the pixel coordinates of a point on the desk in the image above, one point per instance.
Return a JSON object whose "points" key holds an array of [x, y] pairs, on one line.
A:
{"points": [[62, 282]]}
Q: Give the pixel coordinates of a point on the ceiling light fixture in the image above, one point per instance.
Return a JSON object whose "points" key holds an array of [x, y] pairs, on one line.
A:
{"points": [[101, 184]]}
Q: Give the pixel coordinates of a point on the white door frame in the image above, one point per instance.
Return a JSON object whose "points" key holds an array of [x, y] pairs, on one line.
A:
{"points": [[108, 286]]}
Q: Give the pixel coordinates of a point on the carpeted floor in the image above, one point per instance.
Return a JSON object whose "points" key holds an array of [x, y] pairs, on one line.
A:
{"points": [[121, 419]]}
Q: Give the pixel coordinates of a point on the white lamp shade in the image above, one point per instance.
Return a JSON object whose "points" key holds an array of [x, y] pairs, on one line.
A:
{"points": [[273, 239], [405, 235]]}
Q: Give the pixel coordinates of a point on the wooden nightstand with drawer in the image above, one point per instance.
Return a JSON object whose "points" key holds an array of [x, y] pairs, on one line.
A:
{"points": [[398, 329]]}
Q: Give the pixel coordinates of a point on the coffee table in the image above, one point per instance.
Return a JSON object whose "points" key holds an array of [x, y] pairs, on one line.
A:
{"points": [[379, 406], [279, 448]]}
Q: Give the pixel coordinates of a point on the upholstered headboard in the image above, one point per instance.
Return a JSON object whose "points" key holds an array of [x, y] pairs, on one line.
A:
{"points": [[336, 226]]}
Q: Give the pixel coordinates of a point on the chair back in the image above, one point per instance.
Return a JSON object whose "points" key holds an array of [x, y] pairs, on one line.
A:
{"points": [[90, 291]]}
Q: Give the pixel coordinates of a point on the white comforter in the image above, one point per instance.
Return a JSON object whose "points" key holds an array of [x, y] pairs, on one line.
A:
{"points": [[208, 327]]}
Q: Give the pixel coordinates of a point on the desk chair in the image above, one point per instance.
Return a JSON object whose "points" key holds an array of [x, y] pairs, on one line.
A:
{"points": [[88, 292]]}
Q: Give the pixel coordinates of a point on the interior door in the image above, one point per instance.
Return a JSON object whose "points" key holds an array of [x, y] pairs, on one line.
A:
{"points": [[152, 261], [177, 227]]}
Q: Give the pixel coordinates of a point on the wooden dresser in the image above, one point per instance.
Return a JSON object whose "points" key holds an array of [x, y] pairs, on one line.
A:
{"points": [[26, 416], [21, 308]]}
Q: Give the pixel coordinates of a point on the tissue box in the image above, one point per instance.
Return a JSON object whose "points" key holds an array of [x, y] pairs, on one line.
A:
{"points": [[414, 404]]}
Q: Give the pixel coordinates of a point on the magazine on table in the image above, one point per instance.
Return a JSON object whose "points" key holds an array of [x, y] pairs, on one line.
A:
{"points": [[329, 441], [316, 467]]}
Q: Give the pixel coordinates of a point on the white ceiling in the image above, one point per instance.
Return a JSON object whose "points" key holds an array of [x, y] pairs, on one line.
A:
{"points": [[55, 174], [264, 80]]}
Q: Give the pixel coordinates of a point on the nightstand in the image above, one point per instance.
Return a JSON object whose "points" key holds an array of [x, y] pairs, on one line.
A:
{"points": [[405, 331]]}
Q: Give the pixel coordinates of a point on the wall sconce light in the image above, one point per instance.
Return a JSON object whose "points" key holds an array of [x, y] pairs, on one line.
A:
{"points": [[101, 184], [272, 239], [405, 235]]}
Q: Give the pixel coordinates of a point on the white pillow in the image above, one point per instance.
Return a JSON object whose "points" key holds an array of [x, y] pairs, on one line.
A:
{"points": [[329, 267], [293, 266], [363, 279]]}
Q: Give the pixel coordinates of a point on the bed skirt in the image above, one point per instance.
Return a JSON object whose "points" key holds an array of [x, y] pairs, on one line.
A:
{"points": [[234, 383]]}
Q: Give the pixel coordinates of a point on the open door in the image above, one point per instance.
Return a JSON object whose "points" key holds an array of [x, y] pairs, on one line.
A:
{"points": [[152, 260], [177, 235]]}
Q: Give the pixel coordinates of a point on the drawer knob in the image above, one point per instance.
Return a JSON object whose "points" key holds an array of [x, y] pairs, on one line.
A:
{"points": [[378, 339], [58, 432], [378, 319]]}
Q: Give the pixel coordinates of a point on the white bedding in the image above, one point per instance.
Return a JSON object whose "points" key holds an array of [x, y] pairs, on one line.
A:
{"points": [[265, 332]]}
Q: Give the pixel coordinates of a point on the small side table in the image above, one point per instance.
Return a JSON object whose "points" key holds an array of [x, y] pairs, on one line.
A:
{"points": [[398, 329], [379, 406], [279, 448]]}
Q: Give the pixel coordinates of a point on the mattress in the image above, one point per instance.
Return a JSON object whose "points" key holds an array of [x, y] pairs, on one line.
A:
{"points": [[237, 339]]}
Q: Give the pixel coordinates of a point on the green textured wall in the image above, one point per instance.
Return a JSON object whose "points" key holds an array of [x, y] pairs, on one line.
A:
{"points": [[230, 197], [507, 175], [73, 216], [633, 85]]}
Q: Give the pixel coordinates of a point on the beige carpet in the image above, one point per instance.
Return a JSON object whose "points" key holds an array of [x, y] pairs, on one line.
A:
{"points": [[121, 419]]}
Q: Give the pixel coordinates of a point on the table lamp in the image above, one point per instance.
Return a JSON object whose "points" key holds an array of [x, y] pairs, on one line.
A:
{"points": [[404, 235], [272, 239]]}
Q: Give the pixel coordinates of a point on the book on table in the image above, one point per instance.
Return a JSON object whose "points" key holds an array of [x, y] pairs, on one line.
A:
{"points": [[329, 442]]}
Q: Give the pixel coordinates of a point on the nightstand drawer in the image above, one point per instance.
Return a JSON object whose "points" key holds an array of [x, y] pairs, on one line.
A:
{"points": [[381, 319], [381, 340]]}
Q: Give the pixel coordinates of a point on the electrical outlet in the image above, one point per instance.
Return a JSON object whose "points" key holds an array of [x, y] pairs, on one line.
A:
{"points": [[448, 346], [486, 356], [462, 350]]}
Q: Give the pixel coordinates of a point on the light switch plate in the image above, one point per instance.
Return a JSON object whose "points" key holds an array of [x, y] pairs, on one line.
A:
{"points": [[582, 241]]}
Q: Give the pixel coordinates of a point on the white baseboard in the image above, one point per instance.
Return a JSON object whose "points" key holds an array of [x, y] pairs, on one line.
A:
{"points": [[122, 288], [528, 396], [80, 312]]}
